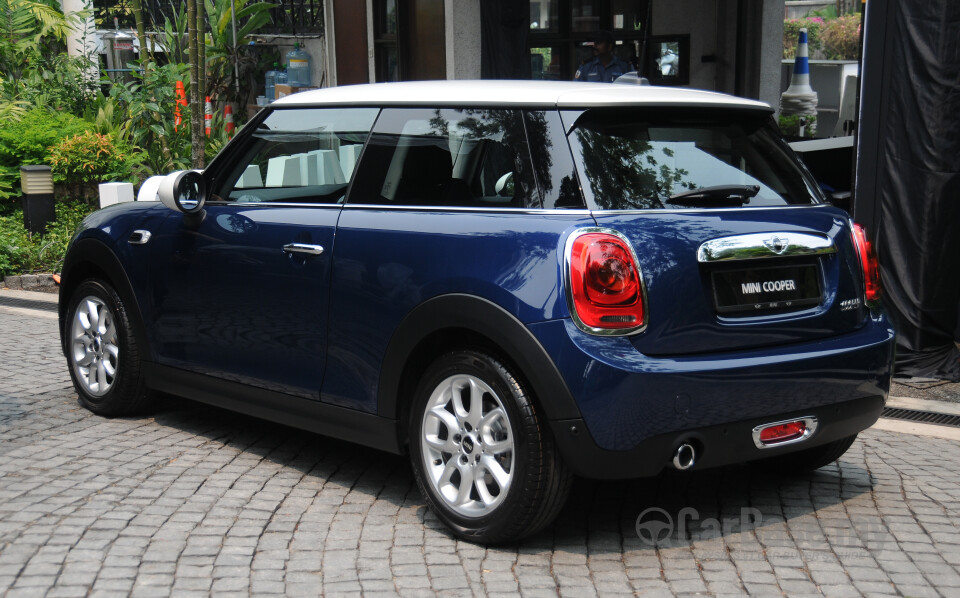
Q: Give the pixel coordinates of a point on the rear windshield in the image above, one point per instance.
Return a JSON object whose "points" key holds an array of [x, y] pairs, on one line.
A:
{"points": [[647, 159]]}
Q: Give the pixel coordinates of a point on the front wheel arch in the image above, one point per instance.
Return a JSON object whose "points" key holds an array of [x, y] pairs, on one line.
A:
{"points": [[90, 259]]}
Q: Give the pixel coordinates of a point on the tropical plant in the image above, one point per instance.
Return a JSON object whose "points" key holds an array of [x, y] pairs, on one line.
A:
{"points": [[175, 34], [58, 82], [144, 108], [26, 26], [12, 106], [35, 70], [225, 82]]}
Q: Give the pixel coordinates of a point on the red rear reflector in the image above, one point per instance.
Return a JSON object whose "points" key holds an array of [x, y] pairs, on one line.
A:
{"points": [[782, 432], [868, 263], [605, 282]]}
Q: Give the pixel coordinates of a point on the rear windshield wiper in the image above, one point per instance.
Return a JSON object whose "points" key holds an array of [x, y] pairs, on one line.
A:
{"points": [[719, 195]]}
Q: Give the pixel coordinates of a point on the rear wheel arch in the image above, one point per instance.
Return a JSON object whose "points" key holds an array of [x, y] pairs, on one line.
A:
{"points": [[458, 321]]}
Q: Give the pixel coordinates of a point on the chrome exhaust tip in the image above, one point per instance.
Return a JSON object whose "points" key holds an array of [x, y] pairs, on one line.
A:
{"points": [[685, 456]]}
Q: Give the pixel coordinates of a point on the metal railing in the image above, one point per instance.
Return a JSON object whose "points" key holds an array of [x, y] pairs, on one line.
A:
{"points": [[290, 16]]}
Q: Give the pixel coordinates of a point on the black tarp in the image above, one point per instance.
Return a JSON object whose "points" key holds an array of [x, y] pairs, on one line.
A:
{"points": [[908, 175], [504, 27]]}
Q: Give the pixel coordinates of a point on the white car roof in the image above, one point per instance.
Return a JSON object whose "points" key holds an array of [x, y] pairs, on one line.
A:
{"points": [[561, 94]]}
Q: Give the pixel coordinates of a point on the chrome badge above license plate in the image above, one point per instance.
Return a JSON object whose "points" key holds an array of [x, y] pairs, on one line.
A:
{"points": [[767, 288]]}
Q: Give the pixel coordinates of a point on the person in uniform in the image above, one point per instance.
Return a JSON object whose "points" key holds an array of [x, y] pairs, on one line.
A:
{"points": [[605, 67]]}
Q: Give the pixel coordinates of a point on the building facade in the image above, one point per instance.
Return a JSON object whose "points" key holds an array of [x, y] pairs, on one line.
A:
{"points": [[732, 46]]}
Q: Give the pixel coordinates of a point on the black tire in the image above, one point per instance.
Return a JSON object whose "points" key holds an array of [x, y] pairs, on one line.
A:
{"points": [[124, 391], [811, 458], [538, 483]]}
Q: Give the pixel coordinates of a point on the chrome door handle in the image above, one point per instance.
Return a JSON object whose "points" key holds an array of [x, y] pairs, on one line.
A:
{"points": [[303, 248]]}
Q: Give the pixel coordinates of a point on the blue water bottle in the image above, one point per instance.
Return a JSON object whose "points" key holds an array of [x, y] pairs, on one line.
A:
{"points": [[271, 79], [298, 67]]}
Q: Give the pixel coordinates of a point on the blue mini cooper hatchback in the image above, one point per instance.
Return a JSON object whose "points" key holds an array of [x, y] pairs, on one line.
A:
{"points": [[512, 282]]}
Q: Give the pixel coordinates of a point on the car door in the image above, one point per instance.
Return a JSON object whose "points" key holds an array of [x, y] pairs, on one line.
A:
{"points": [[242, 294], [445, 202]]}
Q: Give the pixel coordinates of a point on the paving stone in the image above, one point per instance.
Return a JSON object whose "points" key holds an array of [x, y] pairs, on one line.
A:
{"points": [[194, 501]]}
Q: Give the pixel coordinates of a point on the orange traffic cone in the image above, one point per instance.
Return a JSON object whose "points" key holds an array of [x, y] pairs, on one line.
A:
{"points": [[181, 100], [208, 115], [228, 120]]}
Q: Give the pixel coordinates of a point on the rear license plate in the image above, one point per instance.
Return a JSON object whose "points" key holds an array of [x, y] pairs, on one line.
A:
{"points": [[766, 288]]}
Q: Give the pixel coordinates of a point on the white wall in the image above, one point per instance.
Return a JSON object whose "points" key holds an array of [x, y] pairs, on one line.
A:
{"points": [[697, 18], [771, 52], [711, 25], [82, 41]]}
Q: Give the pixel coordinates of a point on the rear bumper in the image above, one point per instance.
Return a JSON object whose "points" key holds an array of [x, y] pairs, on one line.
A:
{"points": [[636, 410], [721, 444]]}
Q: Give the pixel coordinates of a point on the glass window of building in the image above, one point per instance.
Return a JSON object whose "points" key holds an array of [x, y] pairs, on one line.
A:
{"points": [[561, 29]]}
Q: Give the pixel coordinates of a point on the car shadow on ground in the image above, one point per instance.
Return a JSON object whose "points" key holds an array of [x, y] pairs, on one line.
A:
{"points": [[742, 507]]}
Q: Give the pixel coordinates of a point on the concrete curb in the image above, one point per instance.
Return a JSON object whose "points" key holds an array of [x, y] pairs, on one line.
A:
{"points": [[30, 282]]}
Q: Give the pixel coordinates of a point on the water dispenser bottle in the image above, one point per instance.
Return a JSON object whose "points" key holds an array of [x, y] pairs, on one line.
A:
{"points": [[298, 67], [271, 79]]}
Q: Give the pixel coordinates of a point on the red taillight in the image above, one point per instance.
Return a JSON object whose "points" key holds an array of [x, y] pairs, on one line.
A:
{"points": [[783, 432], [868, 263], [605, 282]]}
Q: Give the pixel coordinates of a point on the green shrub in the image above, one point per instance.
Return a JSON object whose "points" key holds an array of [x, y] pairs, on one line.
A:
{"points": [[28, 140], [791, 31], [89, 158], [841, 38], [23, 253], [790, 125]]}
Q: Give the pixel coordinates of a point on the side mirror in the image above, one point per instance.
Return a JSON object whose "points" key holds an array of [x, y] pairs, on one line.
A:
{"points": [[504, 185], [183, 191]]}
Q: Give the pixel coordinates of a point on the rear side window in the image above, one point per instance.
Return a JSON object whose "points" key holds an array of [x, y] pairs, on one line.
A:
{"points": [[647, 159], [306, 155], [447, 157]]}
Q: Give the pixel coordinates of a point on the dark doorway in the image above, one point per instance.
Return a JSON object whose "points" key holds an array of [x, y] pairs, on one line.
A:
{"points": [[351, 42], [409, 40], [425, 41]]}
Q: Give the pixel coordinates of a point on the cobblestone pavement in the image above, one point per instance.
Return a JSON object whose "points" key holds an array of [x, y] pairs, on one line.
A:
{"points": [[194, 501]]}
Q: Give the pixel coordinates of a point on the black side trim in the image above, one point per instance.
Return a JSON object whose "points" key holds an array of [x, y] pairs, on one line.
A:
{"points": [[722, 444], [329, 420], [91, 253], [485, 318]]}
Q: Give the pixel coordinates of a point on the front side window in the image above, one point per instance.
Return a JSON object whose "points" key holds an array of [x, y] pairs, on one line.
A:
{"points": [[665, 159], [304, 155], [471, 157]]}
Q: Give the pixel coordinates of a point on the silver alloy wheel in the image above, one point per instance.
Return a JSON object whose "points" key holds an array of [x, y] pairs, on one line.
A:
{"points": [[467, 445], [95, 348]]}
